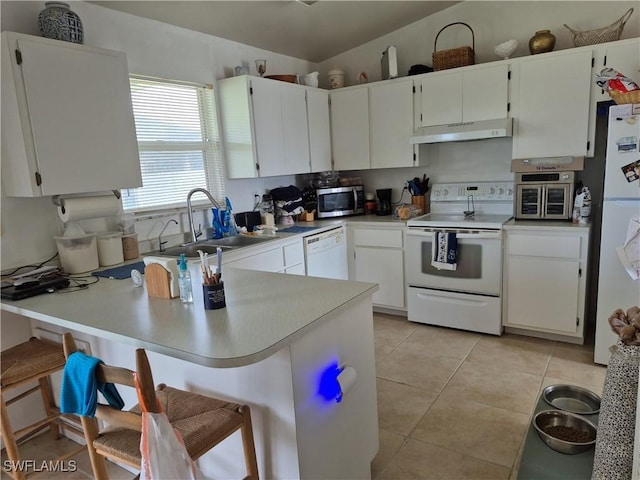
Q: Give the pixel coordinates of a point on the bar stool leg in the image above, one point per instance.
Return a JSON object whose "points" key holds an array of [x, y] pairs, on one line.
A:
{"points": [[49, 405], [10, 441]]}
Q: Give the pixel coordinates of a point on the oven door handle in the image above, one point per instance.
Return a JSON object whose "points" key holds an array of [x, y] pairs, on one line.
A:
{"points": [[477, 235]]}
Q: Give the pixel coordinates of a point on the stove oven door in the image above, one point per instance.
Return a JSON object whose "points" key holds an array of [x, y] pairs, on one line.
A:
{"points": [[479, 262]]}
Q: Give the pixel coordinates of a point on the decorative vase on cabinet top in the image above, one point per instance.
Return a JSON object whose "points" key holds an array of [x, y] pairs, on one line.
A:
{"points": [[336, 78], [543, 41], [58, 22]]}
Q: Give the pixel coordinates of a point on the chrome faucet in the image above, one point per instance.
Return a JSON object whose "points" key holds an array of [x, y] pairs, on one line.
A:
{"points": [[160, 242], [192, 229]]}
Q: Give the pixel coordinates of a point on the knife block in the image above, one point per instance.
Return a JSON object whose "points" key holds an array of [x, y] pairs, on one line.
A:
{"points": [[158, 281]]}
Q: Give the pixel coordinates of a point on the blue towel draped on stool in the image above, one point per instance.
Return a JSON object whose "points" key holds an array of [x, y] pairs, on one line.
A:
{"points": [[80, 388]]}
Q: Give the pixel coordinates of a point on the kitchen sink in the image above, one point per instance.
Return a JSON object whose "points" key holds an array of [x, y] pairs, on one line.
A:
{"points": [[211, 246]]}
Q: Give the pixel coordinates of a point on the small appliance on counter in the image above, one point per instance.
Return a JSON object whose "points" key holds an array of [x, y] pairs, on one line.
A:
{"points": [[384, 201], [340, 201], [544, 187]]}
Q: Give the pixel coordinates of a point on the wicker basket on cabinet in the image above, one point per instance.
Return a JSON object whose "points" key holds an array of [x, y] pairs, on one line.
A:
{"points": [[454, 57]]}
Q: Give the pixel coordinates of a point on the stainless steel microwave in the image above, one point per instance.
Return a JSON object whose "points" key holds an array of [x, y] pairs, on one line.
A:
{"points": [[547, 195], [340, 201]]}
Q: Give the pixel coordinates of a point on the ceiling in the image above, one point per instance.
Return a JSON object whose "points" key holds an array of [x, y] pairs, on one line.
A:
{"points": [[313, 32]]}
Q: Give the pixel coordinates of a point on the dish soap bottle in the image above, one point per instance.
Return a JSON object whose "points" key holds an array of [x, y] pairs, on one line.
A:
{"points": [[184, 281]]}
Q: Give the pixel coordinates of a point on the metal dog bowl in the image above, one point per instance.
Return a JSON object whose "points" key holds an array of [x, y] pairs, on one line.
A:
{"points": [[572, 399], [565, 432]]}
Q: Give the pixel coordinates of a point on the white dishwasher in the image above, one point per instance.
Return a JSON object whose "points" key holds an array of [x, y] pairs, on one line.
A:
{"points": [[326, 254]]}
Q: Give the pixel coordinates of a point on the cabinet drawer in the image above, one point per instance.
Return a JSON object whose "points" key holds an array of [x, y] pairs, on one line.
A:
{"points": [[544, 246], [269, 261], [377, 238], [293, 254]]}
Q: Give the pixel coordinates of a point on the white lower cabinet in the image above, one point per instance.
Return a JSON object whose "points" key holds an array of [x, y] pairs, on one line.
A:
{"points": [[544, 281], [287, 258], [378, 257]]}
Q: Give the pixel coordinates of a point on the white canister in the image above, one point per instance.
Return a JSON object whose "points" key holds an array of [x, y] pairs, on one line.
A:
{"points": [[110, 248], [78, 254], [336, 78]]}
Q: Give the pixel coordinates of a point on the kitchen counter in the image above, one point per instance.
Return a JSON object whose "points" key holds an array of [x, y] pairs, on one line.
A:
{"points": [[253, 326], [271, 348], [558, 225]]}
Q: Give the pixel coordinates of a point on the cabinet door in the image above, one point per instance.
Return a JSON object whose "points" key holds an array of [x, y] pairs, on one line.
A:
{"points": [[552, 106], [391, 124], [268, 126], [237, 127], [441, 99], [319, 130], [485, 93], [624, 58], [79, 109], [543, 293], [350, 129], [385, 267], [295, 131]]}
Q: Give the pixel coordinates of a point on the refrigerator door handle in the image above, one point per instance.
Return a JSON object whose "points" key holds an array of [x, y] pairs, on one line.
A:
{"points": [[543, 201]]}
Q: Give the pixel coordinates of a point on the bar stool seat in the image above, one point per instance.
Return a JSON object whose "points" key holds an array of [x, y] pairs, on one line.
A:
{"points": [[29, 362]]}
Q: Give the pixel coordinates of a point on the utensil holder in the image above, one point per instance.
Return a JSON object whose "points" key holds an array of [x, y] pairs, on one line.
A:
{"points": [[213, 296], [421, 202]]}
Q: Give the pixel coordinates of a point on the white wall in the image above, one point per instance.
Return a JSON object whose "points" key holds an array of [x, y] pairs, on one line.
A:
{"points": [[492, 23]]}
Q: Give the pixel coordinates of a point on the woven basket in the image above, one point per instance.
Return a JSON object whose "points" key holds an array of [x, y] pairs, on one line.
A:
{"points": [[623, 98], [600, 35], [454, 57]]}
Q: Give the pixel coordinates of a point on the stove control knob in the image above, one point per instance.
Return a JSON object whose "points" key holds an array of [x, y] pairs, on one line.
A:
{"points": [[437, 193], [492, 191], [509, 191], [501, 191]]}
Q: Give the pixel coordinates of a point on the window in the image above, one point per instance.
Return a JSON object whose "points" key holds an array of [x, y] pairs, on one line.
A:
{"points": [[178, 141]]}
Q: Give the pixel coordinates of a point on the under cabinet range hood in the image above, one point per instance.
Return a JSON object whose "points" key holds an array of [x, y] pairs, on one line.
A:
{"points": [[458, 132]]}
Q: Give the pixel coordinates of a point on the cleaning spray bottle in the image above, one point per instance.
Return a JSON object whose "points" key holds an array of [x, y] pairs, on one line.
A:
{"points": [[184, 281]]}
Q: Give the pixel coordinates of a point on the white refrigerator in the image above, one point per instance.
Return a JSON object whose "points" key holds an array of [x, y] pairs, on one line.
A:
{"points": [[618, 283]]}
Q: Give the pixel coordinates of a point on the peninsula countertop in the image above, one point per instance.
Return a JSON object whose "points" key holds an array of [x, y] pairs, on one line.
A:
{"points": [[264, 312]]}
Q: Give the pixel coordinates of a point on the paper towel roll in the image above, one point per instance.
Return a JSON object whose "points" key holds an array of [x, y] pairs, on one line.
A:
{"points": [[88, 207], [347, 378]]}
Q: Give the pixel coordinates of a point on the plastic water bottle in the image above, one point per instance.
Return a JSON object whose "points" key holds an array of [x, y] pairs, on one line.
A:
{"points": [[184, 281]]}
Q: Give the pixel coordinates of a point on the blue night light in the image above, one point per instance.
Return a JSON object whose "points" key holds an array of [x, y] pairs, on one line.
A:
{"points": [[329, 387]]}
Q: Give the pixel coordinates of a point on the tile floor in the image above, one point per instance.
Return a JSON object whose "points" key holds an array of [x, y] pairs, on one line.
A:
{"points": [[441, 393]]}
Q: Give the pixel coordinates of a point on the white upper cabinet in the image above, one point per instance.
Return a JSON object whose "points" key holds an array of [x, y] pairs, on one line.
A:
{"points": [[479, 93], [67, 119], [391, 122], [350, 129], [319, 130], [623, 56], [265, 127], [551, 106]]}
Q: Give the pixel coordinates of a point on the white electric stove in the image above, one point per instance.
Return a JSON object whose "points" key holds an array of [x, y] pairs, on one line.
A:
{"points": [[469, 296]]}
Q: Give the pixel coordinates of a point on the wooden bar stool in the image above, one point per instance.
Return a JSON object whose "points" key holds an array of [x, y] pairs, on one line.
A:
{"points": [[29, 362], [203, 421]]}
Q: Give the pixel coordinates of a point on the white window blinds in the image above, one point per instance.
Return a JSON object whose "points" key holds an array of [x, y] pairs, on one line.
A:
{"points": [[179, 144]]}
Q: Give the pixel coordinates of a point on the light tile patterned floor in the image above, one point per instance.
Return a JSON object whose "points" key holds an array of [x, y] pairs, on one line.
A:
{"points": [[457, 405], [451, 404]]}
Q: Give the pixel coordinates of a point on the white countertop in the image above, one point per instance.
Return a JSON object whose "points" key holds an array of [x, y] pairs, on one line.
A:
{"points": [[264, 312], [558, 225]]}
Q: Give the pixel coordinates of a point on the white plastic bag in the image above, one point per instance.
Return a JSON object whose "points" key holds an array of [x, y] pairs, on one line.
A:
{"points": [[164, 455]]}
